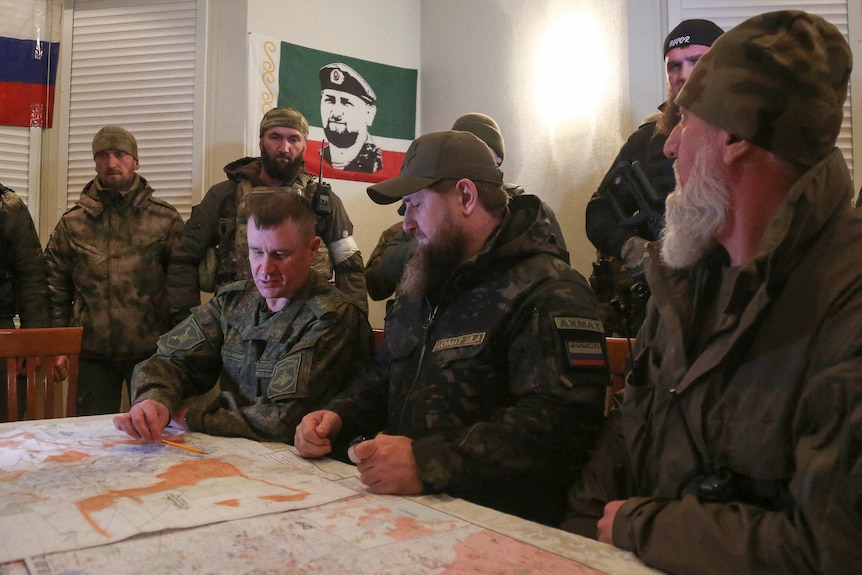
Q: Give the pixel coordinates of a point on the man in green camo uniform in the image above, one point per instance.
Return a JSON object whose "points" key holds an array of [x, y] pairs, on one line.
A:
{"points": [[107, 263], [491, 378], [218, 222], [279, 346], [23, 291], [738, 445]]}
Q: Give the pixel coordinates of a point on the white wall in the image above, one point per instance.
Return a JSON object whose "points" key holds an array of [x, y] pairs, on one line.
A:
{"points": [[483, 56]]}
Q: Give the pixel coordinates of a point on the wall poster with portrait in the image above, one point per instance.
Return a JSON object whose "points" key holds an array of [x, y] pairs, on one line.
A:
{"points": [[361, 114]]}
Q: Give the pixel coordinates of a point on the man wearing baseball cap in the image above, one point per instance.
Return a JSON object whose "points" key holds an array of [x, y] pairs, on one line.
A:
{"points": [[741, 443], [217, 227], [620, 217], [347, 110], [491, 377], [107, 268]]}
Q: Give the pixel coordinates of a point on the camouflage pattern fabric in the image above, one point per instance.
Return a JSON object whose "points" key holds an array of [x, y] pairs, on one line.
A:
{"points": [[501, 382], [778, 80], [272, 368], [23, 289], [107, 263]]}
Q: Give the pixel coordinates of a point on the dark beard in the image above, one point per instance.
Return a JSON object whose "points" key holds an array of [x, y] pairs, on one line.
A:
{"points": [[433, 263], [284, 172], [340, 139], [670, 116]]}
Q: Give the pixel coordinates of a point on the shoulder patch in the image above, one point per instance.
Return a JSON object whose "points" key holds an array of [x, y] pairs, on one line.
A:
{"points": [[584, 340], [185, 336]]}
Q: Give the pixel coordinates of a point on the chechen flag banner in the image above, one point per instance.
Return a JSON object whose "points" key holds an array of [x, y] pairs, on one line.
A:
{"points": [[361, 114], [28, 63]]}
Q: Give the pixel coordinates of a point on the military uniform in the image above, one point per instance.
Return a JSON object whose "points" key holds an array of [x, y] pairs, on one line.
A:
{"points": [[23, 290], [368, 160], [272, 368], [741, 425], [107, 263], [219, 222], [500, 382]]}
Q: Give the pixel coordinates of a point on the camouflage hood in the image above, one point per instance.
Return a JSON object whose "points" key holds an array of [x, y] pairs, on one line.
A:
{"points": [[94, 197], [526, 231]]}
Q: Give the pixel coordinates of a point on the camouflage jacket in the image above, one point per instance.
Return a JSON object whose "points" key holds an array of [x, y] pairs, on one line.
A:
{"points": [[272, 369], [23, 289], [214, 223], [501, 382], [741, 434], [107, 263]]}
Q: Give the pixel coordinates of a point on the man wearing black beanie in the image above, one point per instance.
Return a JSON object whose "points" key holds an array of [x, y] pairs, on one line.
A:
{"points": [[616, 221]]}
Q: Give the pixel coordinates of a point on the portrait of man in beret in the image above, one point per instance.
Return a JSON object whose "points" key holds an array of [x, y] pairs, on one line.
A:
{"points": [[347, 110]]}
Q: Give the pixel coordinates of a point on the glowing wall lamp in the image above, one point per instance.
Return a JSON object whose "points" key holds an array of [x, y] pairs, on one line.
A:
{"points": [[571, 70]]}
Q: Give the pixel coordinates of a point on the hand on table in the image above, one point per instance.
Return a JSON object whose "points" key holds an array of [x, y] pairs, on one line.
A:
{"points": [[606, 523], [145, 420], [387, 465], [312, 437]]}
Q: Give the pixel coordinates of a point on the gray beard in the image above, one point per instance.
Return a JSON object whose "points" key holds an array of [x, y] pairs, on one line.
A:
{"points": [[694, 213]]}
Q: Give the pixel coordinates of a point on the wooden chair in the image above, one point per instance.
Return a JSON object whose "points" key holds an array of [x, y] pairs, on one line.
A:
{"points": [[378, 337], [618, 365], [40, 347]]}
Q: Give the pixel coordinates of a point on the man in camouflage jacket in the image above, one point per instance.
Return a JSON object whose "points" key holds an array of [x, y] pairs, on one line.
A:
{"points": [[491, 378], [218, 222], [740, 444], [23, 291], [107, 263], [279, 347]]}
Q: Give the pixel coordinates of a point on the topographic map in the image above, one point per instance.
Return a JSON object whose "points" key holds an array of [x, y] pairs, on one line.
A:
{"points": [[70, 486], [79, 498]]}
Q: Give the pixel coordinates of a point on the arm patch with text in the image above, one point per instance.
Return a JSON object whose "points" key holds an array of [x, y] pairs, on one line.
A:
{"points": [[584, 341]]}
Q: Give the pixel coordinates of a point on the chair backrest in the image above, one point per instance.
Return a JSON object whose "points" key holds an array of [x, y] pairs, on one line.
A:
{"points": [[378, 337], [618, 365], [40, 347]]}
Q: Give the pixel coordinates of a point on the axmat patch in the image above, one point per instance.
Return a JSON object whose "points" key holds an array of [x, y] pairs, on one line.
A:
{"points": [[584, 340]]}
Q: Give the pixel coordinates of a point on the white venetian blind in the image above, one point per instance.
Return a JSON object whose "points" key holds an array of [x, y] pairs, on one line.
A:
{"points": [[133, 64], [729, 13], [15, 163]]}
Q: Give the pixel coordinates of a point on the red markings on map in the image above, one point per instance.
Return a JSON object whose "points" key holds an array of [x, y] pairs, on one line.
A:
{"points": [[182, 475], [67, 457], [509, 557]]}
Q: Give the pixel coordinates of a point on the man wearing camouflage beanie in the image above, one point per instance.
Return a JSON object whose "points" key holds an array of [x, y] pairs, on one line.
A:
{"points": [[739, 441], [107, 268], [216, 229]]}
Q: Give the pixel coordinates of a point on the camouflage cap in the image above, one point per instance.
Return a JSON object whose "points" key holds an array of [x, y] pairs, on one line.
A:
{"points": [[777, 80], [485, 128], [115, 138], [439, 156], [284, 118]]}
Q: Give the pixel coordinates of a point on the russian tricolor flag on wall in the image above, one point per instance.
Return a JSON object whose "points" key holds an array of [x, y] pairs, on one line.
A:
{"points": [[28, 64]]}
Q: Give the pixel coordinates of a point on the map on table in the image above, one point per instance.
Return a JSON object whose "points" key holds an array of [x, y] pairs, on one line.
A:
{"points": [[364, 535], [70, 486]]}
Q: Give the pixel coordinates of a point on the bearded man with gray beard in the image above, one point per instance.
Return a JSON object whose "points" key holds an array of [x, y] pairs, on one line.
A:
{"points": [[738, 446]]}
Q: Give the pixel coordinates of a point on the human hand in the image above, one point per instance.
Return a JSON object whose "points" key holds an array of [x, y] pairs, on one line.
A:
{"points": [[606, 523], [145, 420], [61, 368], [312, 437], [387, 465]]}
